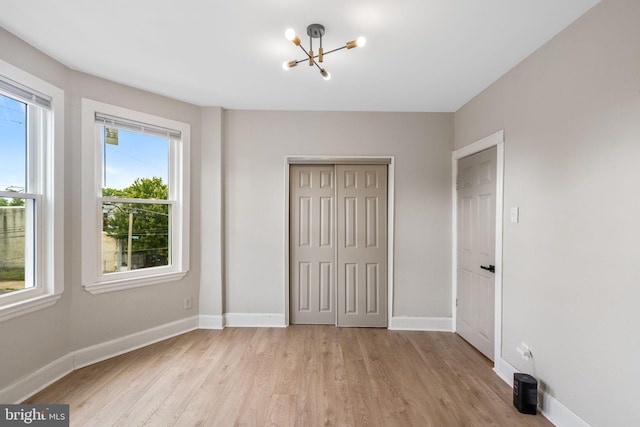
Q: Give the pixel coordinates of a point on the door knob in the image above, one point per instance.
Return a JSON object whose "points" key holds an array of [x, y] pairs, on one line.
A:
{"points": [[491, 268]]}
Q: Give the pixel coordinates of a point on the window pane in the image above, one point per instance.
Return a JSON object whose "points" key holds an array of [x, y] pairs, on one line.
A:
{"points": [[15, 242], [13, 145], [134, 165], [135, 236]]}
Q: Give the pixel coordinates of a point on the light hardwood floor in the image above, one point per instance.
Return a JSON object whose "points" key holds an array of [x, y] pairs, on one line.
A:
{"points": [[298, 376]]}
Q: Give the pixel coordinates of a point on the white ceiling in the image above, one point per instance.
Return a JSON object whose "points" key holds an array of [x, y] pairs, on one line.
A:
{"points": [[421, 55]]}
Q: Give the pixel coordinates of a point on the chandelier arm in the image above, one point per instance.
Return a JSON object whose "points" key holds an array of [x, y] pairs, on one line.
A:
{"points": [[335, 50], [309, 57], [314, 62], [316, 56], [305, 51]]}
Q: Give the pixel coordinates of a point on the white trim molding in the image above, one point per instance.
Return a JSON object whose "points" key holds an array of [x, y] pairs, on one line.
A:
{"points": [[28, 306], [119, 285], [31, 384], [434, 324], [47, 375], [254, 320], [559, 414], [103, 351], [210, 322], [504, 370], [93, 278], [47, 180], [496, 139], [548, 406], [480, 145], [341, 160]]}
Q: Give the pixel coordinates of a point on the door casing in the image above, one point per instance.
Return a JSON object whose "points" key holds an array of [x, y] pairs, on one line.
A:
{"points": [[497, 140], [337, 160]]}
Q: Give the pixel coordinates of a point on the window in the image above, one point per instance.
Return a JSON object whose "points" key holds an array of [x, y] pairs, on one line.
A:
{"points": [[18, 199], [31, 228], [135, 205]]}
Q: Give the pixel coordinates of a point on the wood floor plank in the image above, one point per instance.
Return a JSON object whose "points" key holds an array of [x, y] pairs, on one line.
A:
{"points": [[297, 376]]}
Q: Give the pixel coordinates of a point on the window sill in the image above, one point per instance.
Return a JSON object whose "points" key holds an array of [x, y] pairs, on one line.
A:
{"points": [[27, 306], [132, 282]]}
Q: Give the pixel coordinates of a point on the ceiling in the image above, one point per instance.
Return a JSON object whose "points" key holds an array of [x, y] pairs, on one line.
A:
{"points": [[421, 55]]}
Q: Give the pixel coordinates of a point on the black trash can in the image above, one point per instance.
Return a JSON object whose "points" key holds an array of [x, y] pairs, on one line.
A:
{"points": [[525, 393]]}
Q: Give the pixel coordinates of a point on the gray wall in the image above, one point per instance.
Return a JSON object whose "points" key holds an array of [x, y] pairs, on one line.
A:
{"points": [[79, 319], [237, 164], [255, 145], [92, 316], [211, 207], [571, 116], [30, 342]]}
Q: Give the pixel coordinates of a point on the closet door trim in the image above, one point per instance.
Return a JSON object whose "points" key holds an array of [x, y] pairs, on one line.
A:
{"points": [[338, 160], [329, 159]]}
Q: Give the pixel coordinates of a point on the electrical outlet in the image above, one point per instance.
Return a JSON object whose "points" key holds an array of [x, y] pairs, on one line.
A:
{"points": [[187, 303], [515, 214], [524, 351]]}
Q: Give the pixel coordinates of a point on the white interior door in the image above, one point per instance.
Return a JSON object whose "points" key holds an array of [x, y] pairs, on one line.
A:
{"points": [[362, 245], [476, 250], [312, 245], [338, 245]]}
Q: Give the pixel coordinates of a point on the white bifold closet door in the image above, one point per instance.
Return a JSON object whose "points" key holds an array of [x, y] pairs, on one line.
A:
{"points": [[338, 231]]}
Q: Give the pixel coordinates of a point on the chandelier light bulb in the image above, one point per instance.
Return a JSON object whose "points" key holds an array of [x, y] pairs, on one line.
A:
{"points": [[325, 74], [359, 42], [289, 64], [290, 34]]}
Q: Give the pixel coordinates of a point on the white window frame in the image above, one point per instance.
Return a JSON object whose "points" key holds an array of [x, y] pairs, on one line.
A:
{"points": [[46, 176], [93, 280]]}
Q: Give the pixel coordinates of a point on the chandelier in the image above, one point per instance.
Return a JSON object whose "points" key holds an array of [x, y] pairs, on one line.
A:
{"points": [[316, 31]]}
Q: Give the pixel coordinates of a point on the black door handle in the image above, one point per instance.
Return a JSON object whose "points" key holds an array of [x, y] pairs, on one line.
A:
{"points": [[491, 268]]}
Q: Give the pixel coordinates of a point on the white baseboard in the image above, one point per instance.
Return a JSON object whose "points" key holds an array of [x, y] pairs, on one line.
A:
{"points": [[254, 320], [210, 322], [38, 380], [504, 370], [559, 414], [421, 324], [549, 407], [43, 377], [103, 351]]}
